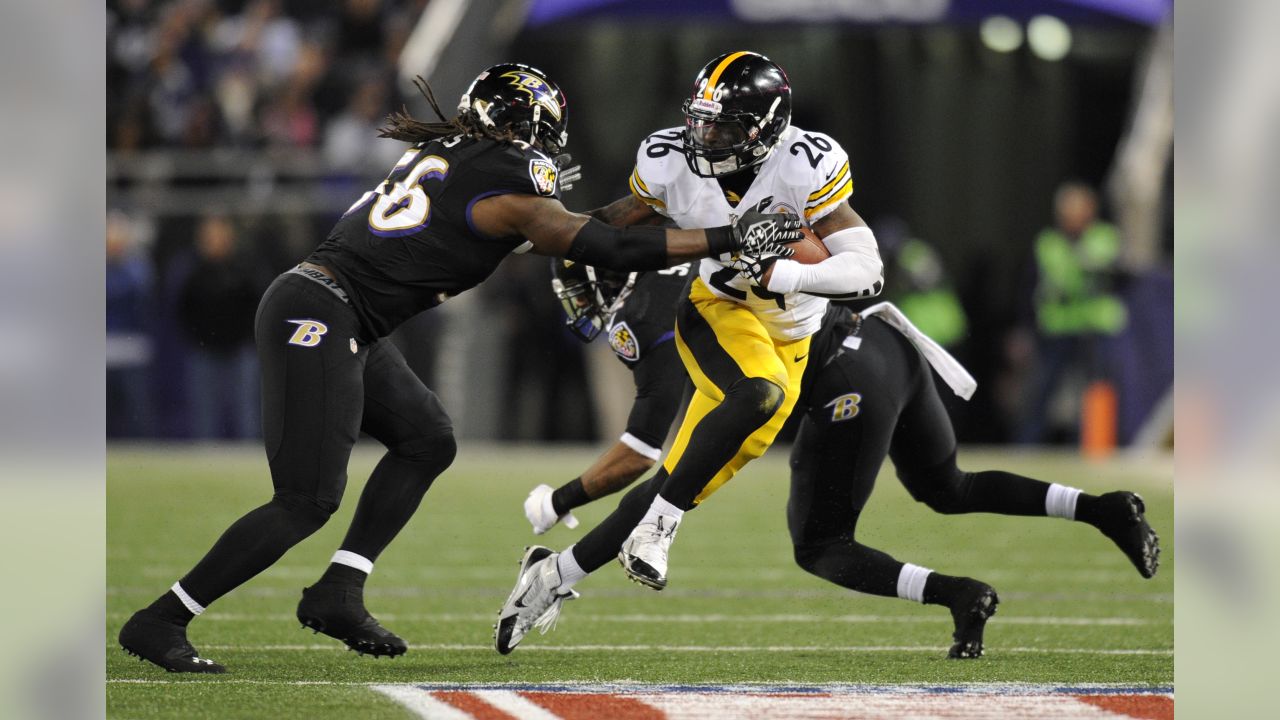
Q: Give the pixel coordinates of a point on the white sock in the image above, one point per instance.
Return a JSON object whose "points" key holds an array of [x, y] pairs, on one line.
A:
{"points": [[911, 580], [350, 559], [661, 507], [570, 571], [195, 607], [1060, 501]]}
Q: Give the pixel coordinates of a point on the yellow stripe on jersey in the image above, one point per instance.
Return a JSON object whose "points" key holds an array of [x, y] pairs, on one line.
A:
{"points": [[840, 175], [842, 194], [635, 174], [639, 189], [709, 90]]}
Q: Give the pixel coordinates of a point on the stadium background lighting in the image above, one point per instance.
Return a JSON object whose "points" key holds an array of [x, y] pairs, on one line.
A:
{"points": [[1049, 37], [1001, 33]]}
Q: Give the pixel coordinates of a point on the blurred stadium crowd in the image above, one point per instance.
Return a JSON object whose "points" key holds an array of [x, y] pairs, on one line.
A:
{"points": [[237, 131]]}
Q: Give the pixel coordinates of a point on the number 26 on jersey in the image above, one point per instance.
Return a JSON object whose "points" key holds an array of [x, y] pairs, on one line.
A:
{"points": [[402, 207]]}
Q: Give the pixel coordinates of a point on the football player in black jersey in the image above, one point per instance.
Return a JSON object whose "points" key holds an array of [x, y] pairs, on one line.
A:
{"points": [[868, 392], [467, 193]]}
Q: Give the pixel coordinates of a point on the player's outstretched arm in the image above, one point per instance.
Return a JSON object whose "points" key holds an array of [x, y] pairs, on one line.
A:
{"points": [[627, 210], [615, 469], [554, 231]]}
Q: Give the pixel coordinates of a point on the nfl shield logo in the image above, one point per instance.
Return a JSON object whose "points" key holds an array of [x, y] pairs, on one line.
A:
{"points": [[543, 173]]}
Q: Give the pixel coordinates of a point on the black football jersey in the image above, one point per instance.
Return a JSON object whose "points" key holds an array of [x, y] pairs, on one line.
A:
{"points": [[409, 243], [642, 335], [837, 324]]}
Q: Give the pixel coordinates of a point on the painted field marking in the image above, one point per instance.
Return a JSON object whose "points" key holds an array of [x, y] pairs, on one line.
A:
{"points": [[780, 702], [833, 593], [710, 648], [635, 687], [695, 618]]}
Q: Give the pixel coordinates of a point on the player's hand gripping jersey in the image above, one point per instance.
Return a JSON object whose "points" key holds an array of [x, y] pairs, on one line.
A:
{"points": [[409, 243], [806, 175]]}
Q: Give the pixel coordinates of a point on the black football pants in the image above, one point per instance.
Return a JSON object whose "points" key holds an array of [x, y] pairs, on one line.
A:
{"points": [[320, 388]]}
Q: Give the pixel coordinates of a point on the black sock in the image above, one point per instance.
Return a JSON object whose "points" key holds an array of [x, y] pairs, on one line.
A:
{"points": [[850, 564], [1087, 509], [344, 575], [392, 495], [747, 406], [600, 546], [169, 607], [252, 544], [569, 496], [942, 589]]}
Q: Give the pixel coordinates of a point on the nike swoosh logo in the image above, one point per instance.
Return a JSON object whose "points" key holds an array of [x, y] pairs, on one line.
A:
{"points": [[801, 357]]}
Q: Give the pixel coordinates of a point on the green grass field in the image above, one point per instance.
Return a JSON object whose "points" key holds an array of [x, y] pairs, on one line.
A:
{"points": [[737, 610]]}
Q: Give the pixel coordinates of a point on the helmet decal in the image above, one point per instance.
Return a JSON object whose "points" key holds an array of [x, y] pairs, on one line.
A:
{"points": [[523, 100], [539, 92], [735, 117], [712, 86]]}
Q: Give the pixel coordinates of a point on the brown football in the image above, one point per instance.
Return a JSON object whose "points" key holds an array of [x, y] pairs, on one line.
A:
{"points": [[809, 249]]}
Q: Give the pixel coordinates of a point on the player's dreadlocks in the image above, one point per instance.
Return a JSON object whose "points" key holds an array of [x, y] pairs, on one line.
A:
{"points": [[403, 126]]}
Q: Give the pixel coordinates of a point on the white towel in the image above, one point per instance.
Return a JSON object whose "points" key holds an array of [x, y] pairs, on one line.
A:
{"points": [[949, 369]]}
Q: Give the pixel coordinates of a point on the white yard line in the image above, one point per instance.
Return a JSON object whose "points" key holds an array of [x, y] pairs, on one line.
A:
{"points": [[695, 618], [709, 648], [634, 687]]}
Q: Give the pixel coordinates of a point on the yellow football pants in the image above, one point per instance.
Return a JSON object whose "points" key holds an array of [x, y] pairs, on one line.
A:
{"points": [[721, 342]]}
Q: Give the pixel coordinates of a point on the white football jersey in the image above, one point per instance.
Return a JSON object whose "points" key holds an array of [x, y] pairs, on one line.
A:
{"points": [[807, 175]]}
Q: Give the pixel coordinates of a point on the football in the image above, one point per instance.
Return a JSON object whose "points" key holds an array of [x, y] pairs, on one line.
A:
{"points": [[809, 249]]}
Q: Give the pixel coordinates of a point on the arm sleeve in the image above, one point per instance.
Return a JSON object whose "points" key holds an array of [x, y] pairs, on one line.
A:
{"points": [[636, 248], [630, 249], [854, 269], [660, 382]]}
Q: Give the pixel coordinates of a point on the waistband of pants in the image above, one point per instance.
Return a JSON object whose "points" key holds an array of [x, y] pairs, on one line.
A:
{"points": [[319, 277]]}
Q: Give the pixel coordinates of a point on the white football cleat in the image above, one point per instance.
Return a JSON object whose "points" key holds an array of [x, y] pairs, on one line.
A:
{"points": [[535, 600], [644, 553], [542, 516]]}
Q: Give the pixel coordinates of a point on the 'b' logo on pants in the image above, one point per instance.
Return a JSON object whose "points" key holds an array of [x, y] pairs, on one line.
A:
{"points": [[844, 407], [308, 333]]}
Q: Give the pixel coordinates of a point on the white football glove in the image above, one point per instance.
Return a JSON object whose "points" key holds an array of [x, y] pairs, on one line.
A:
{"points": [[537, 508]]}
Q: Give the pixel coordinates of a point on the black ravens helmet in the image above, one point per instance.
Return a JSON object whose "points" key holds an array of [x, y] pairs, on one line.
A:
{"points": [[589, 295], [523, 99], [740, 105]]}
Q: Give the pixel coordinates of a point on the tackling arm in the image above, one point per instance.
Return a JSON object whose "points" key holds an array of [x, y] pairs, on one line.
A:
{"points": [[627, 210], [555, 231]]}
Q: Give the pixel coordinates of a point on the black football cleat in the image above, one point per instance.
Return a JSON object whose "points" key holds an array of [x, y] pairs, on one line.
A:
{"points": [[156, 640], [976, 604], [1122, 518], [339, 613]]}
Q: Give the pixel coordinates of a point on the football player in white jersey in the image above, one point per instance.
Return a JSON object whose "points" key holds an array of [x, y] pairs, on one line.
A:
{"points": [[743, 331]]}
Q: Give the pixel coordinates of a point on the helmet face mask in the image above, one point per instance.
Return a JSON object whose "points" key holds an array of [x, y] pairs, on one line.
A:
{"points": [[739, 108], [521, 99], [589, 296]]}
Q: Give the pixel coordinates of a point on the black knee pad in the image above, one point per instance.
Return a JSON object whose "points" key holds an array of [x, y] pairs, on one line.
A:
{"points": [[434, 452], [807, 557], [943, 487], [307, 512], [757, 396]]}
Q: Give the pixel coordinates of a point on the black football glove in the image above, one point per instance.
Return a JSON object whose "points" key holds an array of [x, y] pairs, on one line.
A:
{"points": [[753, 268], [760, 235]]}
